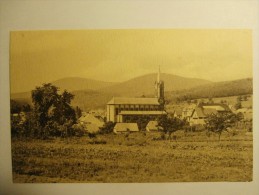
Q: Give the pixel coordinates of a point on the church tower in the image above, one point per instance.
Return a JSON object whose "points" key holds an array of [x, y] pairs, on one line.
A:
{"points": [[159, 86]]}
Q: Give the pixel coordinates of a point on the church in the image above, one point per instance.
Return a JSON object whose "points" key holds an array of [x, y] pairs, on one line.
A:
{"points": [[120, 109]]}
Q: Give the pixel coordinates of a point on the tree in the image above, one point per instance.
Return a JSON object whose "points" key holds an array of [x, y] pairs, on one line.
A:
{"points": [[217, 123], [170, 125], [15, 107], [78, 112], [238, 105], [142, 121], [53, 112]]}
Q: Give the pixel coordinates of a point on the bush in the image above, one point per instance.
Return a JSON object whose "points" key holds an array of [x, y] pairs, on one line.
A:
{"points": [[107, 128], [163, 136], [78, 130]]}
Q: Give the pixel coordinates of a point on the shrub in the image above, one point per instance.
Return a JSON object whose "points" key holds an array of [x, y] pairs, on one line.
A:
{"points": [[78, 130]]}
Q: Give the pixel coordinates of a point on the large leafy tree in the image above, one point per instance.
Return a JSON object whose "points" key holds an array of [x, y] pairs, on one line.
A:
{"points": [[52, 108]]}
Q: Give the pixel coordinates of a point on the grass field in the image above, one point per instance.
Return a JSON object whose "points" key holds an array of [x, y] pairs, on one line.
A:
{"points": [[192, 157]]}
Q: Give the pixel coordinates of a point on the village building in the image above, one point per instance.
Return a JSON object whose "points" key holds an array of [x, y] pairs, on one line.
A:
{"points": [[177, 113], [91, 122], [202, 111], [153, 126], [123, 109], [125, 127]]}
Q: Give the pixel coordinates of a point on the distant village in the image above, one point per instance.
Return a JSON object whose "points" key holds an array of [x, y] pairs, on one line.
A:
{"points": [[123, 110]]}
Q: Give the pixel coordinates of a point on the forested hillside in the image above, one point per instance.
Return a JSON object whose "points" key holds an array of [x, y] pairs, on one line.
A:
{"points": [[219, 89]]}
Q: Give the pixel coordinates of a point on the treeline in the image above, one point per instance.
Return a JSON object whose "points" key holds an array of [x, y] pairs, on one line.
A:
{"points": [[50, 115], [221, 89]]}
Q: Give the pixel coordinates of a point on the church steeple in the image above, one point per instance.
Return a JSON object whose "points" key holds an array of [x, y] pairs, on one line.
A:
{"points": [[159, 85], [158, 74]]}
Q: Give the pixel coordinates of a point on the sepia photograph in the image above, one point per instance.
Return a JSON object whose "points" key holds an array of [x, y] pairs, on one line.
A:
{"points": [[129, 97], [131, 105]]}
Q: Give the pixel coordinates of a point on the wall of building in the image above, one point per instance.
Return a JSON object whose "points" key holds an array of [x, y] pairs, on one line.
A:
{"points": [[111, 113]]}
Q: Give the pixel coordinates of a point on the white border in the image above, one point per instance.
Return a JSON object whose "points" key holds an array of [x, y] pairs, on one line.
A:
{"points": [[68, 14]]}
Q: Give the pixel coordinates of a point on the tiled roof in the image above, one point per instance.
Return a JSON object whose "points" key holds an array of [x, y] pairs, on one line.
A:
{"points": [[151, 112], [126, 100], [124, 127]]}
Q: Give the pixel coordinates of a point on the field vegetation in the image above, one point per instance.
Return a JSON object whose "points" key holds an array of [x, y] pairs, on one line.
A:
{"points": [[135, 157]]}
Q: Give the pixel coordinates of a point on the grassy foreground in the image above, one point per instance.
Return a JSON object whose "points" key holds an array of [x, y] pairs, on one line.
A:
{"points": [[134, 158]]}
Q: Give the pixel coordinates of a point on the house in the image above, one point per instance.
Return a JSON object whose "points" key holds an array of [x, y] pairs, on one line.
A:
{"points": [[153, 126], [197, 117], [178, 113], [202, 111], [187, 112], [125, 127], [90, 122]]}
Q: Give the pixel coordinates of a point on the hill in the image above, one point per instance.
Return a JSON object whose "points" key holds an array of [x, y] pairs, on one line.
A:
{"points": [[75, 83], [22, 98], [218, 89], [176, 88], [144, 85]]}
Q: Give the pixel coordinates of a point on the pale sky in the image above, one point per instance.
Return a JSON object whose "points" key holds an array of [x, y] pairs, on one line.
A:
{"points": [[118, 55]]}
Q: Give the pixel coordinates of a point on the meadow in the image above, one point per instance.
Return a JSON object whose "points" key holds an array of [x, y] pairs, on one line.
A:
{"points": [[137, 157]]}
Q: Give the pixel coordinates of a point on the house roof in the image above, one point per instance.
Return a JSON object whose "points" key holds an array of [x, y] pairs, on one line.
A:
{"points": [[90, 119], [151, 112], [199, 112], [208, 111], [217, 106], [124, 127], [242, 110], [153, 126], [204, 112], [126, 100], [178, 111], [92, 128]]}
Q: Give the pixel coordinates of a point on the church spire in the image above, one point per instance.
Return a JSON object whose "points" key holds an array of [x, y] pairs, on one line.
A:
{"points": [[158, 75]]}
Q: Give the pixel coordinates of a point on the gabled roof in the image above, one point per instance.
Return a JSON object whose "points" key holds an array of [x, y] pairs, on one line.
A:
{"points": [[204, 112], [92, 128], [153, 126], [90, 119], [151, 112], [124, 127], [126, 100], [199, 112], [208, 111]]}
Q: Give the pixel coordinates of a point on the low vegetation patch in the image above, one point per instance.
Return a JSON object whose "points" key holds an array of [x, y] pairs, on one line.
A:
{"points": [[137, 157]]}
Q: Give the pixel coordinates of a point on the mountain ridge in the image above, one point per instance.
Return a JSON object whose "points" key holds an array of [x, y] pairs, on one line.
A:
{"points": [[96, 96]]}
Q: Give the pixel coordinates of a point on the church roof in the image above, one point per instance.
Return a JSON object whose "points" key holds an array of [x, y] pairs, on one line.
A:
{"points": [[151, 112], [126, 100]]}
